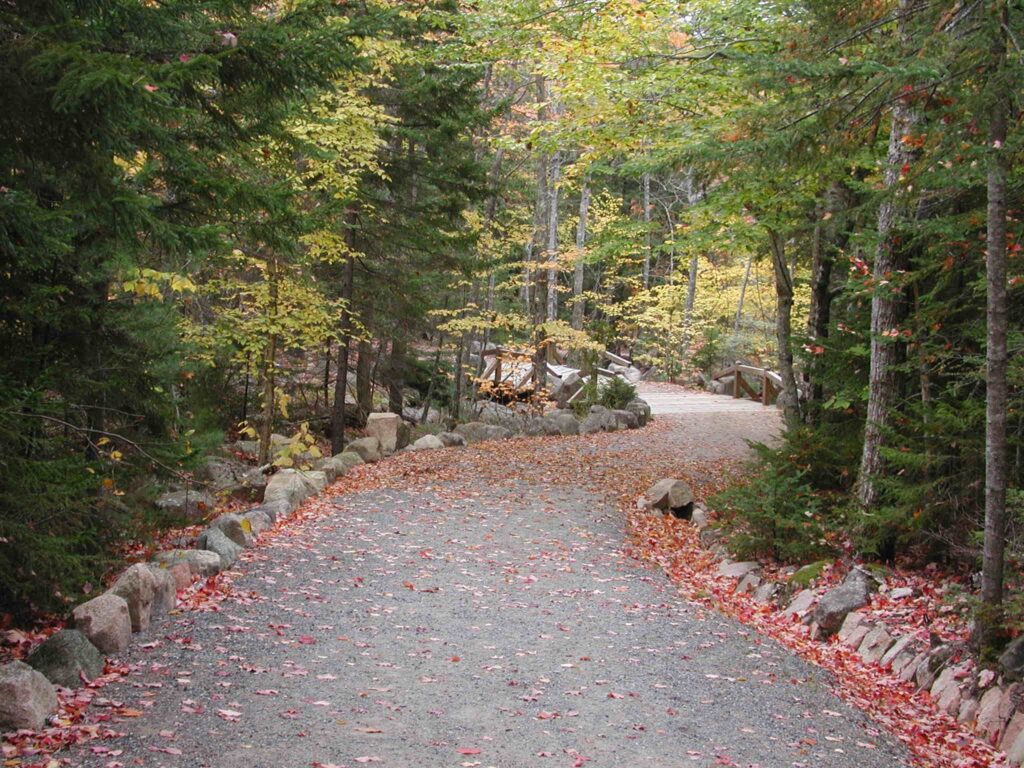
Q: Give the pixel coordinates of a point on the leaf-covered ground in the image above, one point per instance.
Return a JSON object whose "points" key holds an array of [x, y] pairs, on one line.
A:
{"points": [[496, 606]]}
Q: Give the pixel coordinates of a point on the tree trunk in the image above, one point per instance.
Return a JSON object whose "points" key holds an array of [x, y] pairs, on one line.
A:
{"points": [[783, 327], [996, 468], [364, 379], [551, 255], [646, 184], [887, 305], [344, 344], [245, 392], [396, 375], [743, 293], [270, 355], [459, 376], [488, 309], [328, 351], [536, 244], [579, 305], [433, 376], [694, 194]]}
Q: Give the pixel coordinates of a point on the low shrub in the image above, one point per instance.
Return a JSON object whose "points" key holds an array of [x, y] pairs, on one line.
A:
{"points": [[776, 513]]}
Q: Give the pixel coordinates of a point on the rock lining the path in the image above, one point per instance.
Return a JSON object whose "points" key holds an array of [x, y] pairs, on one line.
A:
{"points": [[390, 430], [105, 620], [427, 443], [192, 504], [837, 603], [989, 703], [104, 624], [366, 448], [66, 657], [671, 496], [27, 698], [200, 562], [137, 588], [214, 540]]}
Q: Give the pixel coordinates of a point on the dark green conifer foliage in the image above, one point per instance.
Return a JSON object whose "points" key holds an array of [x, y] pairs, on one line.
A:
{"points": [[129, 139]]}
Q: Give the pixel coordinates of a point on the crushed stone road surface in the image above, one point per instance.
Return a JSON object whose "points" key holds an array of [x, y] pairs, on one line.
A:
{"points": [[479, 615]]}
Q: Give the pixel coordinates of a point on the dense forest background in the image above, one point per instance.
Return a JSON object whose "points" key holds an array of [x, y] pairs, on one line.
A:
{"points": [[221, 217]]}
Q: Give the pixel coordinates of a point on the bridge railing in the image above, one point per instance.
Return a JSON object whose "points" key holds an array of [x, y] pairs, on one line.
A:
{"points": [[770, 381]]}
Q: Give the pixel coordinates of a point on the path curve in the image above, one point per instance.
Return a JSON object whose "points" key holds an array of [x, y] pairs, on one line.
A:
{"points": [[474, 607]]}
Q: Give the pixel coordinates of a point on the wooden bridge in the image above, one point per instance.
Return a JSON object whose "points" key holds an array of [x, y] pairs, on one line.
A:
{"points": [[743, 389], [737, 380], [513, 370]]}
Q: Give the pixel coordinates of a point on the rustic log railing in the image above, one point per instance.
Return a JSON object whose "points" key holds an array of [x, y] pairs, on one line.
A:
{"points": [[771, 382]]}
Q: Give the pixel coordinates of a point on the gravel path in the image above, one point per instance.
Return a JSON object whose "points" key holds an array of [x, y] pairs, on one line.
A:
{"points": [[475, 618]]}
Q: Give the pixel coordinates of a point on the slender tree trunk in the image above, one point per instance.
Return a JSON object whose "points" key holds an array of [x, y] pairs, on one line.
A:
{"points": [[245, 392], [537, 241], [270, 355], [328, 351], [364, 379], [365, 371], [551, 256], [344, 344], [783, 327], [646, 184], [694, 194], [579, 305], [819, 311], [396, 375], [430, 387], [691, 288], [459, 376], [821, 280], [996, 454], [488, 307], [491, 212], [887, 304], [743, 294], [340, 392]]}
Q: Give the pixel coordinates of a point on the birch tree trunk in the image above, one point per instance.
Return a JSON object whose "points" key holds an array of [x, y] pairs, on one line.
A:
{"points": [[646, 183], [887, 304], [996, 454], [551, 251], [578, 306], [694, 194]]}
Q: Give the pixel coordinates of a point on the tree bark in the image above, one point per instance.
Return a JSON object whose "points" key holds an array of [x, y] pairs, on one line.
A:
{"points": [[364, 379], [579, 305], [344, 345], [996, 454], [646, 184], [743, 294], [433, 375], [269, 358], [551, 255], [326, 389], [459, 376], [783, 327], [365, 370], [887, 303], [396, 375], [694, 194]]}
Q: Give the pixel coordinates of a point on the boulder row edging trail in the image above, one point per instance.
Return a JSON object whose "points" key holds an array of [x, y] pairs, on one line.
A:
{"points": [[623, 462]]}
